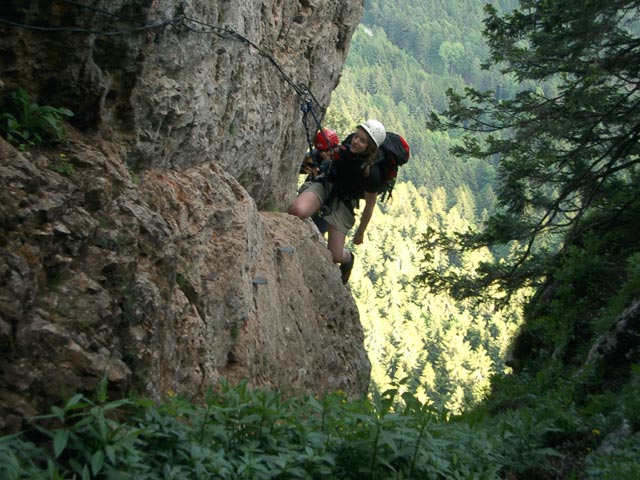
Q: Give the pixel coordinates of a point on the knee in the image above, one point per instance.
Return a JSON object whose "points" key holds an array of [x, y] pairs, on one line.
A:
{"points": [[296, 210]]}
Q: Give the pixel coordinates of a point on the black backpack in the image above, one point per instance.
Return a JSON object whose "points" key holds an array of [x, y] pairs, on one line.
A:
{"points": [[395, 153]]}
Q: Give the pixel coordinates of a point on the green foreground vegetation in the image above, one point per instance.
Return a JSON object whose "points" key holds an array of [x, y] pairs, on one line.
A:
{"points": [[256, 434]]}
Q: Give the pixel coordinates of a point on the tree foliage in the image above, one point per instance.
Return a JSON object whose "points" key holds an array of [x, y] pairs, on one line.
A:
{"points": [[565, 153], [442, 350]]}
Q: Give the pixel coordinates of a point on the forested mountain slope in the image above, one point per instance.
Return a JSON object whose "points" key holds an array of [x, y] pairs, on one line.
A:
{"points": [[560, 198], [404, 56]]}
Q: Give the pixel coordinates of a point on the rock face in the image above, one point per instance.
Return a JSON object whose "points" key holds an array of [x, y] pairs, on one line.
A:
{"points": [[144, 250], [181, 90], [619, 348]]}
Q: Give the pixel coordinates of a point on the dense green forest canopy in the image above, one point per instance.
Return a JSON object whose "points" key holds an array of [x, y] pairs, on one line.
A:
{"points": [[444, 351], [477, 219], [523, 122], [444, 37]]}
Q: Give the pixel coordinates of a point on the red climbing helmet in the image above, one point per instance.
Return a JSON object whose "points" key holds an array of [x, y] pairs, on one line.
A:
{"points": [[326, 139]]}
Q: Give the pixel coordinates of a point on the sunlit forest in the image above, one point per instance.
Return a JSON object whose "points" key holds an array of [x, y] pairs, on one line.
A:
{"points": [[402, 60]]}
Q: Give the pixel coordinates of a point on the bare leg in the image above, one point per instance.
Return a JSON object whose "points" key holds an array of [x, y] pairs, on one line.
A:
{"points": [[305, 205], [336, 246]]}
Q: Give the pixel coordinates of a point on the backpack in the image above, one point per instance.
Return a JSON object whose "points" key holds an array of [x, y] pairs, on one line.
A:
{"points": [[395, 153]]}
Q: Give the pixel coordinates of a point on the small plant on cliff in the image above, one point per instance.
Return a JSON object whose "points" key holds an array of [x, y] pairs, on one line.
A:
{"points": [[62, 165], [25, 123]]}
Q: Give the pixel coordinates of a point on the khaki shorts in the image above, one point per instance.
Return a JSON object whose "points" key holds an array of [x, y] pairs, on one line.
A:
{"points": [[339, 215]]}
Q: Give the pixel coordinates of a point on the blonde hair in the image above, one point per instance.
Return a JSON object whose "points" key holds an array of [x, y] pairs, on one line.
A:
{"points": [[370, 153]]}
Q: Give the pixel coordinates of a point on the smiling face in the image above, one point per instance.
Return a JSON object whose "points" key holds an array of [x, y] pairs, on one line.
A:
{"points": [[360, 141]]}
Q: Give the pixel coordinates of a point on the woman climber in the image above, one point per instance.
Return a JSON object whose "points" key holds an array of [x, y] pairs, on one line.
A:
{"points": [[352, 176]]}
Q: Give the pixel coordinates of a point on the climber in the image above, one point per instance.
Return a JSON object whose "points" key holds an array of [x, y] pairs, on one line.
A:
{"points": [[353, 176], [318, 162]]}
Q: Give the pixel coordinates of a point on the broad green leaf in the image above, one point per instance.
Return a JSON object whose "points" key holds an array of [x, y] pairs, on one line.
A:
{"points": [[97, 461], [60, 440]]}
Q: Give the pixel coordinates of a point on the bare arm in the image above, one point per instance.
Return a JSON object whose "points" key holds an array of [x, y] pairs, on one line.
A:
{"points": [[367, 212]]}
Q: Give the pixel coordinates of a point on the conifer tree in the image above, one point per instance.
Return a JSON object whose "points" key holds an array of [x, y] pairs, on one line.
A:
{"points": [[564, 152]]}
